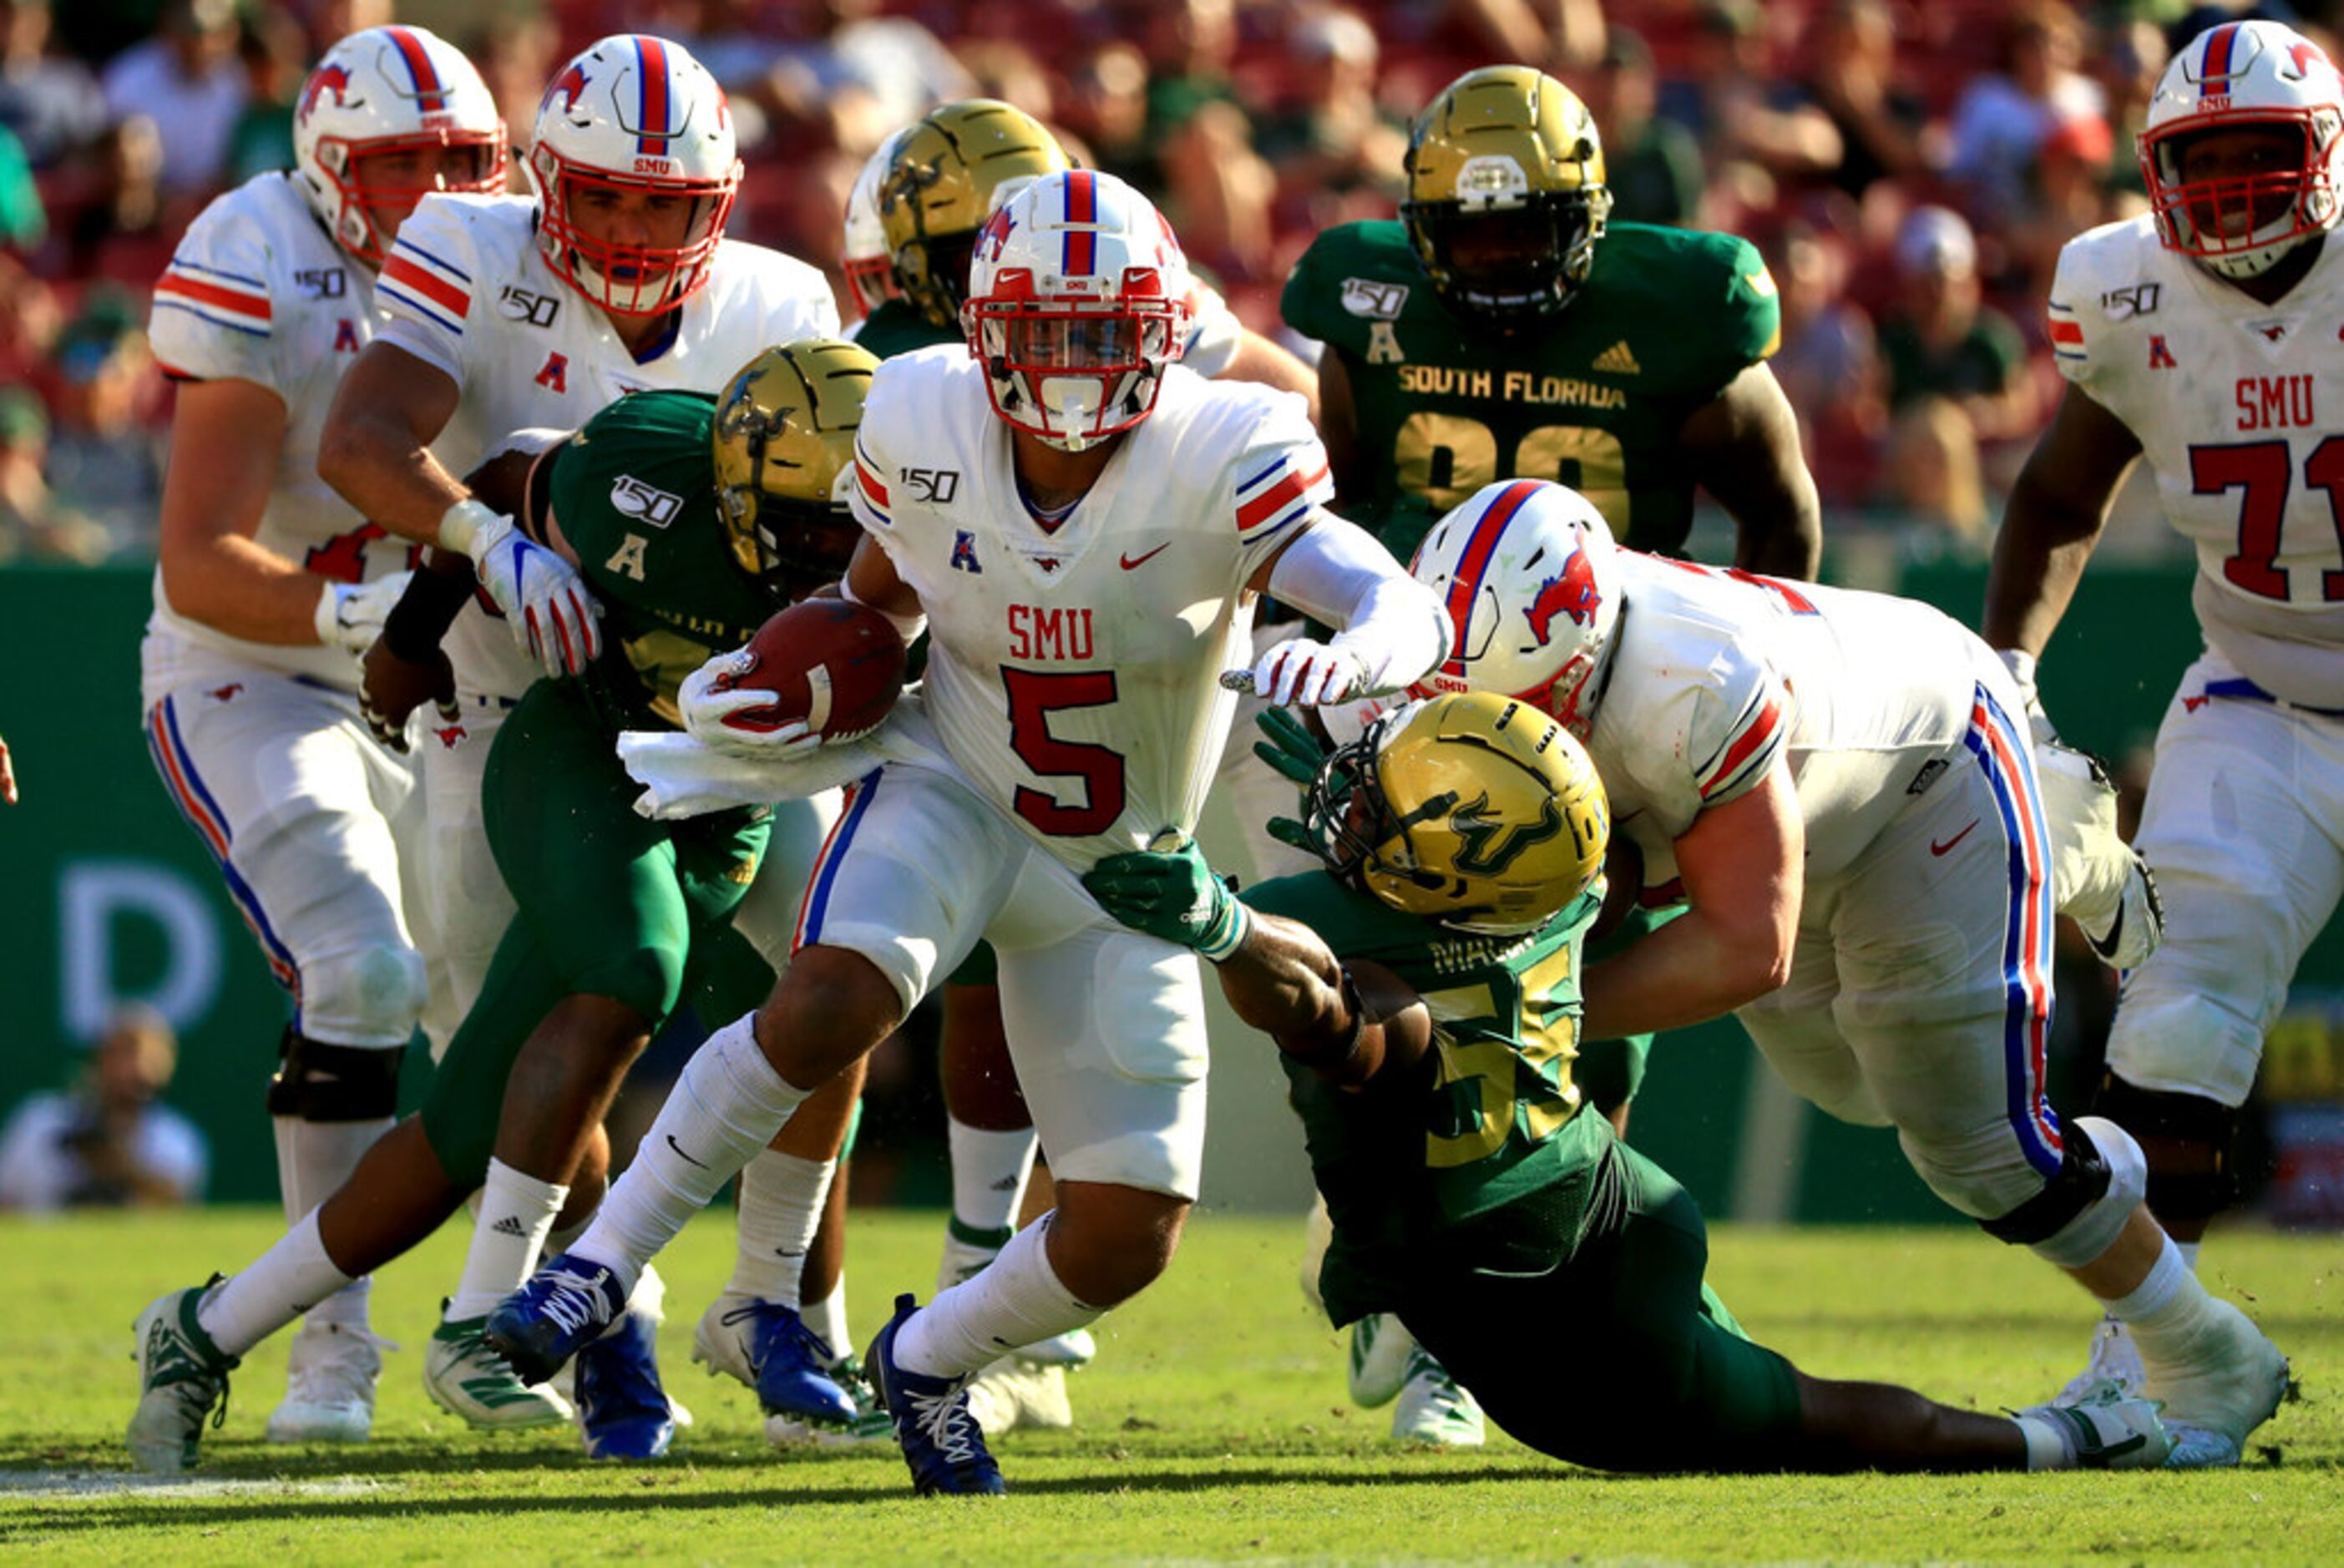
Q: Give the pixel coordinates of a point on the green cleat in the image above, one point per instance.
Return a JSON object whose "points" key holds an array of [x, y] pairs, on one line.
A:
{"points": [[182, 1382], [466, 1377]]}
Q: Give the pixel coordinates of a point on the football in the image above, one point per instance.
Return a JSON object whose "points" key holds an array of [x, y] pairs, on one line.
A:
{"points": [[836, 664]]}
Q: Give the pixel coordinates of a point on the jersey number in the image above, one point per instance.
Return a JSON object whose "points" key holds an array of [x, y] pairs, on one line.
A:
{"points": [[1445, 458], [1548, 1035], [2265, 471], [1034, 696], [342, 558]]}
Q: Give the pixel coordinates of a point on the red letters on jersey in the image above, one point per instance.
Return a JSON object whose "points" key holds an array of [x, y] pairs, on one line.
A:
{"points": [[2274, 402], [555, 377], [1060, 635]]}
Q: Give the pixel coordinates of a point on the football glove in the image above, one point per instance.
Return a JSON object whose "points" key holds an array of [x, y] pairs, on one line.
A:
{"points": [[1168, 891], [714, 714], [349, 615], [1295, 753], [1304, 672], [547, 606]]}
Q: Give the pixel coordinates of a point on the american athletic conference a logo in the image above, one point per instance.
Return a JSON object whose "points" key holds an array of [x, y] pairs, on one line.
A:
{"points": [[1572, 592]]}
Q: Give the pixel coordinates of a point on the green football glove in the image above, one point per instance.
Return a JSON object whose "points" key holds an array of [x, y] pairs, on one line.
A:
{"points": [[1172, 894], [1289, 747]]}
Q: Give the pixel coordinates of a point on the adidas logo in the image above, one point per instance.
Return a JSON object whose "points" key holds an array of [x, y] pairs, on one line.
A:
{"points": [[510, 1225], [1006, 1184], [1618, 360]]}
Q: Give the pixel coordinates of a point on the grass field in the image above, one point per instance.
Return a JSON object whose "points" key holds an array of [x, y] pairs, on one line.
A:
{"points": [[1214, 1426]]}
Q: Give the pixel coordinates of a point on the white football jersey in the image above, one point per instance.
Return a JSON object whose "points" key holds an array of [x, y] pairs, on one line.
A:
{"points": [[467, 290], [1074, 673], [259, 291], [2239, 410], [1715, 679]]}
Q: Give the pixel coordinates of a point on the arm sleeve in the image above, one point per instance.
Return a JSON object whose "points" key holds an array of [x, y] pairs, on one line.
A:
{"points": [[1338, 573], [425, 292], [213, 315]]}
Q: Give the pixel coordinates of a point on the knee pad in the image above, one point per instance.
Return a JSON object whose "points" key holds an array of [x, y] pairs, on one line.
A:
{"points": [[2081, 1211], [369, 996], [325, 1083], [2165, 1117]]}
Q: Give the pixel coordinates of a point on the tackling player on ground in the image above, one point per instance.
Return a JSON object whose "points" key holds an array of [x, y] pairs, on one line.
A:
{"points": [[269, 586], [1423, 991], [2203, 337]]}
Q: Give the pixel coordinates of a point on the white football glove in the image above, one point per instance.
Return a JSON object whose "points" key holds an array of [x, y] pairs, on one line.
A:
{"points": [[546, 605], [716, 713], [1303, 672], [349, 615]]}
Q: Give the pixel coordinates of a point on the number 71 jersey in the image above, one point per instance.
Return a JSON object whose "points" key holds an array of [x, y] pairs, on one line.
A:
{"points": [[2239, 408], [1073, 674]]}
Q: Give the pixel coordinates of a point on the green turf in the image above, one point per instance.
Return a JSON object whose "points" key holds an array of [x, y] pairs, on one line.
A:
{"points": [[1214, 1426]]}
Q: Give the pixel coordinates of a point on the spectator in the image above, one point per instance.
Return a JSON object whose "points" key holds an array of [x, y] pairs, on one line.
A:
{"points": [[1106, 110], [1557, 36], [29, 322], [1852, 78], [110, 1143], [2071, 193], [2002, 120], [854, 78], [1829, 364], [187, 81], [517, 55], [274, 54], [122, 231], [1942, 341], [1335, 138], [33, 526], [48, 99], [1933, 475], [328, 22], [23, 221], [1652, 166], [1189, 45], [1726, 100], [102, 465], [2127, 67]]}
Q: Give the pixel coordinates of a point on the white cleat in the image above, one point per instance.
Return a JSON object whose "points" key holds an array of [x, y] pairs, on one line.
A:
{"points": [[466, 1377], [2126, 941], [1380, 1350], [2231, 1389], [1435, 1408], [1015, 1392], [329, 1391], [965, 1260], [182, 1381], [2115, 1359], [2107, 1429]]}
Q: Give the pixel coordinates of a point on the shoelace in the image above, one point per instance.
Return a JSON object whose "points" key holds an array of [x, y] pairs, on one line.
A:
{"points": [[944, 1420], [758, 1314], [574, 1303]]}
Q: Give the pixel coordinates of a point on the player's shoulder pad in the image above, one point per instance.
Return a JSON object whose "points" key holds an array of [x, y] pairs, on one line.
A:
{"points": [[226, 272], [2107, 282], [1253, 444], [783, 287], [451, 251], [644, 457], [1352, 275], [1714, 289], [1700, 704]]}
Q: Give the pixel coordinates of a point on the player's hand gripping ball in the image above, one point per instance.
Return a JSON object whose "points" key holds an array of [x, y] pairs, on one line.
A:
{"points": [[819, 672]]}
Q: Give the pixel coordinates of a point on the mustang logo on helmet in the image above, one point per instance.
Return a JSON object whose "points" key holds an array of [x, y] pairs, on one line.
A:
{"points": [[568, 86], [327, 77], [1571, 592]]}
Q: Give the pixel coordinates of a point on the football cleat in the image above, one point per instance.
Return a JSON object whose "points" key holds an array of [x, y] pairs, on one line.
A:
{"points": [[2232, 1386], [622, 1408], [2107, 1429], [2115, 1359], [768, 1347], [2139, 925], [1382, 1352], [942, 1442], [567, 1303], [1015, 1392], [182, 1382], [1435, 1408], [329, 1391], [870, 1425], [964, 1261], [467, 1378]]}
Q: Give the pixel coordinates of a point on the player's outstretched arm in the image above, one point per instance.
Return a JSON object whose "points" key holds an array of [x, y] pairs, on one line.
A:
{"points": [[376, 447], [1743, 446], [2056, 510], [1392, 631]]}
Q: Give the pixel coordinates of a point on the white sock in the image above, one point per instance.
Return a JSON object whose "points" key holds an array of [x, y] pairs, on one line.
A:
{"points": [[2170, 1312], [314, 1158], [2047, 1447], [726, 1107], [280, 1285], [827, 1319], [517, 1210], [2188, 1251], [1018, 1300], [988, 1177], [781, 1199]]}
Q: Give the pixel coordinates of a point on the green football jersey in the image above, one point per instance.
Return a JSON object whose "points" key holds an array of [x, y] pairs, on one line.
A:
{"points": [[897, 327], [634, 493], [1593, 397], [1480, 1158]]}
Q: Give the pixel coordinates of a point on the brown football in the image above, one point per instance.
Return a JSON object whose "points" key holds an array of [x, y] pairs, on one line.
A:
{"points": [[836, 664]]}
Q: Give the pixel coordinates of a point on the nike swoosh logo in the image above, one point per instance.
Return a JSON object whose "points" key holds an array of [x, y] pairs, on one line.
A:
{"points": [[1130, 564], [688, 1160], [1937, 848], [789, 1253]]}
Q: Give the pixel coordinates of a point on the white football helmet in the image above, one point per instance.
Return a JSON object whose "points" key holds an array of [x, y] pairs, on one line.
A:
{"points": [[869, 269], [1078, 301], [1530, 579], [2244, 74], [388, 90], [633, 112]]}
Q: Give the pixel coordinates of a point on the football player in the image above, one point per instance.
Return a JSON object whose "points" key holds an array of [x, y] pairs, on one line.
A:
{"points": [[504, 314], [268, 587], [619, 915], [1076, 518], [1846, 787], [2201, 336], [1504, 328], [1423, 993]]}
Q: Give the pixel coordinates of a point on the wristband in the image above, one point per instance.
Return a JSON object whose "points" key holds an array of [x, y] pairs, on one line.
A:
{"points": [[2021, 664], [327, 618], [465, 525], [1228, 932]]}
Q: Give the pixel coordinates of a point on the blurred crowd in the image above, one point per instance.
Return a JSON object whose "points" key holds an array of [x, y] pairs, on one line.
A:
{"points": [[1910, 169]]}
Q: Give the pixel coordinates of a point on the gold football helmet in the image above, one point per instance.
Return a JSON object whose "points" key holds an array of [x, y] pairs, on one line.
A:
{"points": [[784, 447], [1474, 810], [1506, 197], [949, 170]]}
